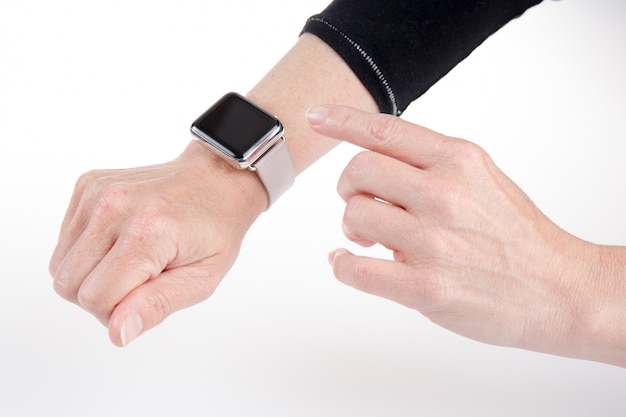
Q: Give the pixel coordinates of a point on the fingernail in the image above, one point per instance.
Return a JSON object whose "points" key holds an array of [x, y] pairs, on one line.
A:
{"points": [[332, 255], [131, 328], [317, 114]]}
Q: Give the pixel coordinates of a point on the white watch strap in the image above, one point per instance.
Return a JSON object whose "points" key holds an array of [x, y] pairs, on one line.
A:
{"points": [[275, 170]]}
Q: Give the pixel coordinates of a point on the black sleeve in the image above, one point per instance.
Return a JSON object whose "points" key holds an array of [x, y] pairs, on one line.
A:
{"points": [[399, 48]]}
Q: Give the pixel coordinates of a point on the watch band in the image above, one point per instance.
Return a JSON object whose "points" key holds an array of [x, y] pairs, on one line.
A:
{"points": [[275, 170]]}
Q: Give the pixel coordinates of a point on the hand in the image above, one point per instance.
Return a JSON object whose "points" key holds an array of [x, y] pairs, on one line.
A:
{"points": [[139, 244], [470, 250]]}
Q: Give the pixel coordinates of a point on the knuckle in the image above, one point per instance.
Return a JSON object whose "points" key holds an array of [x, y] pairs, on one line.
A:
{"points": [[467, 152], [89, 184], [382, 128], [353, 216], [474, 151], [143, 234], [87, 179], [146, 225], [91, 300], [109, 200], [360, 276], [356, 174], [357, 165], [356, 223], [54, 265], [159, 305], [63, 290]]}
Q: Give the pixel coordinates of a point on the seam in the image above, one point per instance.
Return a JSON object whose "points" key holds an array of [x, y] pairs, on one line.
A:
{"points": [[370, 62]]}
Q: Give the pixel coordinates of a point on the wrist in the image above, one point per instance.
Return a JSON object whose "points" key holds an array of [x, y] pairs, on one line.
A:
{"points": [[580, 314], [605, 334], [591, 301], [245, 185], [248, 137]]}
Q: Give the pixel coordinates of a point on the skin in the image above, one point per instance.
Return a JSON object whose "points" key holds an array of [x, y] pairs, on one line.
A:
{"points": [[137, 245], [470, 250]]}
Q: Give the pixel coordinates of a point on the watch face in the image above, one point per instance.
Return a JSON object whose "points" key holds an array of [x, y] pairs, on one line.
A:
{"points": [[235, 126]]}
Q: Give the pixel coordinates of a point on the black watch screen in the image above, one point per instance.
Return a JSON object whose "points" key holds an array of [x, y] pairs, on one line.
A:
{"points": [[234, 125]]}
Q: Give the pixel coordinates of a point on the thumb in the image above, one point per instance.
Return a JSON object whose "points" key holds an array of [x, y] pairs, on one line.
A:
{"points": [[151, 303]]}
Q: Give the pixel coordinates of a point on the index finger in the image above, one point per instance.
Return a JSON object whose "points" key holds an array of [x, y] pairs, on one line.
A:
{"points": [[381, 133]]}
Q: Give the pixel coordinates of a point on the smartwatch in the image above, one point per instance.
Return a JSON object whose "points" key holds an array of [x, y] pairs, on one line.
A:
{"points": [[248, 138]]}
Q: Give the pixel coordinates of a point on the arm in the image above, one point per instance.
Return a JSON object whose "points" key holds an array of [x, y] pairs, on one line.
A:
{"points": [[138, 244], [470, 250]]}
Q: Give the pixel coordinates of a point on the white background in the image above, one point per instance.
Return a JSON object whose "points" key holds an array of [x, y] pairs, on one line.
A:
{"points": [[87, 84]]}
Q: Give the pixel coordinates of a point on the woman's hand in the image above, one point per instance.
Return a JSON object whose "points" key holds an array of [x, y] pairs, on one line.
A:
{"points": [[138, 244], [470, 250]]}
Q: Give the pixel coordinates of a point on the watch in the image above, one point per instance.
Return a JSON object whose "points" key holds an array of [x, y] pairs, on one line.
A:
{"points": [[248, 138]]}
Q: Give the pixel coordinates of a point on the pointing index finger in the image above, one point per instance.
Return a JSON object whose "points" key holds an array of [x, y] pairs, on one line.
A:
{"points": [[381, 133]]}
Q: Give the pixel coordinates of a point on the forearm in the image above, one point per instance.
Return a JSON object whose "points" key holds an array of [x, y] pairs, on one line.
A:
{"points": [[310, 73]]}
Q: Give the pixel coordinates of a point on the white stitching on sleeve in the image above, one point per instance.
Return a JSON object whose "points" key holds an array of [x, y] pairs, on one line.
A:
{"points": [[370, 62]]}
